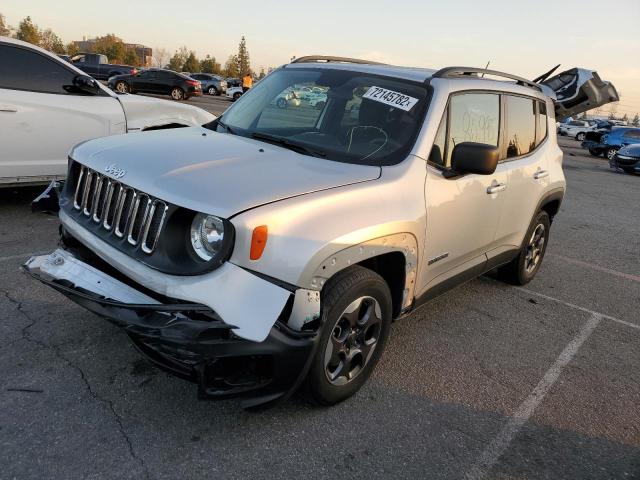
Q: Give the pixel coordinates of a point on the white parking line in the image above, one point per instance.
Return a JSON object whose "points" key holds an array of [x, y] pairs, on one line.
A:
{"points": [[578, 307], [502, 441], [20, 255], [598, 268]]}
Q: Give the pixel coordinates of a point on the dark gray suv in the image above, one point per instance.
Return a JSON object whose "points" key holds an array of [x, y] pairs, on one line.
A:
{"points": [[211, 84]]}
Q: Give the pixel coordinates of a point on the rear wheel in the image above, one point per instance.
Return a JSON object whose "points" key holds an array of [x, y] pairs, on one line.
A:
{"points": [[212, 91], [356, 319], [580, 136], [282, 103], [320, 105], [236, 96], [524, 267], [122, 87], [177, 93]]}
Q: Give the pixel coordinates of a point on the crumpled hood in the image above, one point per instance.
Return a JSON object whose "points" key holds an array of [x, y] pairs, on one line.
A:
{"points": [[144, 112], [214, 173]]}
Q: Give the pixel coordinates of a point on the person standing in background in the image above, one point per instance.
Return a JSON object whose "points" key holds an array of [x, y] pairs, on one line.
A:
{"points": [[247, 82]]}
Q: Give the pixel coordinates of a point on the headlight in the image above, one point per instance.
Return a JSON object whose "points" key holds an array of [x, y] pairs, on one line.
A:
{"points": [[207, 236]]}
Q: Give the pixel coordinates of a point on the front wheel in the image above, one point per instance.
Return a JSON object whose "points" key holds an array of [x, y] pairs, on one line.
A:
{"points": [[177, 93], [580, 136], [609, 153], [122, 87], [524, 267], [212, 91], [356, 319], [281, 103]]}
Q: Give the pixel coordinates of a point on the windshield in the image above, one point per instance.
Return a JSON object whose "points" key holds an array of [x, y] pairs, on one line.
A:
{"points": [[334, 114]]}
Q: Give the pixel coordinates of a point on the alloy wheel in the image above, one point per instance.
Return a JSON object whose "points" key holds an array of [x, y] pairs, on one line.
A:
{"points": [[535, 248], [176, 94], [353, 340]]}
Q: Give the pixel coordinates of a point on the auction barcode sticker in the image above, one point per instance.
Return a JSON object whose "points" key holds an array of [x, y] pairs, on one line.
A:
{"points": [[391, 98]]}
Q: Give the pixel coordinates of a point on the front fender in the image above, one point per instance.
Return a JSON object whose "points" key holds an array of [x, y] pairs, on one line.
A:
{"points": [[311, 237]]}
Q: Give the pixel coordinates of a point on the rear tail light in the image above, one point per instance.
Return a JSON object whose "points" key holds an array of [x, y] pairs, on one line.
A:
{"points": [[195, 83]]}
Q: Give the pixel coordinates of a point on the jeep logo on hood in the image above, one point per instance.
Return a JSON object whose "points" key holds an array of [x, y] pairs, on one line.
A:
{"points": [[115, 171]]}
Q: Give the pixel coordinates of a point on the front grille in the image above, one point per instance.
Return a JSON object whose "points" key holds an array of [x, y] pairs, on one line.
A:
{"points": [[116, 207]]}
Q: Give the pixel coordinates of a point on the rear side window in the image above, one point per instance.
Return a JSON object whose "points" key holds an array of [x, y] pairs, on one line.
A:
{"points": [[23, 69], [473, 117], [541, 129], [520, 127]]}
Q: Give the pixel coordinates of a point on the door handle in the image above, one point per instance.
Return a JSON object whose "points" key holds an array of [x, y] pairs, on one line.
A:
{"points": [[500, 187], [540, 174], [8, 109]]}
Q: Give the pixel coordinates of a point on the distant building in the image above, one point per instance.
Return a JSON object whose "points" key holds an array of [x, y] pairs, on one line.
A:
{"points": [[144, 53]]}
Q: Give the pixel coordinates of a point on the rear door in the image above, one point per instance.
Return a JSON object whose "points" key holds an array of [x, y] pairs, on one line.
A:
{"points": [[525, 130], [41, 118], [578, 90]]}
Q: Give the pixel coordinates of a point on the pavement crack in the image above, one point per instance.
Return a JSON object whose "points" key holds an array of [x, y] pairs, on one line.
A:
{"points": [[58, 353]]}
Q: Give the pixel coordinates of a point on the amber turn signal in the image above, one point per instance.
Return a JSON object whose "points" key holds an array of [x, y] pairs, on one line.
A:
{"points": [[258, 242]]}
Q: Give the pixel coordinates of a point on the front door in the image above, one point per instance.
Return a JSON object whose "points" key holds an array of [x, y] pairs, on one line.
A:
{"points": [[462, 211]]}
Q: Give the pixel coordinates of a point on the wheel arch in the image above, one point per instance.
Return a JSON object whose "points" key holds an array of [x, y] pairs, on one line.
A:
{"points": [[394, 257], [551, 202]]}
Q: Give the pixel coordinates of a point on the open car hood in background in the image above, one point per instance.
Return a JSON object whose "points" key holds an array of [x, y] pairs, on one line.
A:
{"points": [[578, 90]]}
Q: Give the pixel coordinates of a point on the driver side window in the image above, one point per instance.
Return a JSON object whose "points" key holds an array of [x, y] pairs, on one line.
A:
{"points": [[469, 117], [24, 69]]}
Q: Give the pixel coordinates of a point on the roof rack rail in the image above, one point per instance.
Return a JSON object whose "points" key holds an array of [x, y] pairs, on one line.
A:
{"points": [[329, 59], [451, 72]]}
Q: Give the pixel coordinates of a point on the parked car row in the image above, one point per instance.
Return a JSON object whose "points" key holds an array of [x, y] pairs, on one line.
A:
{"points": [[48, 105], [607, 143]]}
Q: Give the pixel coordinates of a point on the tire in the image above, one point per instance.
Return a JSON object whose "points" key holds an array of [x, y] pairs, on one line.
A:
{"points": [[609, 153], [177, 94], [356, 319], [524, 267], [320, 105], [212, 91], [580, 136], [281, 103], [236, 96], [122, 87], [594, 152]]}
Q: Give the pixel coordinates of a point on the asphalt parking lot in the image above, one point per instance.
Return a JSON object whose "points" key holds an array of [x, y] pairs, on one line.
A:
{"points": [[488, 381]]}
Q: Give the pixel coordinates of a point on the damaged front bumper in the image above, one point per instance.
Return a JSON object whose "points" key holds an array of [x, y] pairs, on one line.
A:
{"points": [[189, 340]]}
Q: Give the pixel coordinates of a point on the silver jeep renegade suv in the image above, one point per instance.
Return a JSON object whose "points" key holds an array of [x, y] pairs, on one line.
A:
{"points": [[273, 247]]}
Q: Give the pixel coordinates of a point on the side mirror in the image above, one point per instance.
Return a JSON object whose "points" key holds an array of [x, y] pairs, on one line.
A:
{"points": [[86, 84], [472, 157]]}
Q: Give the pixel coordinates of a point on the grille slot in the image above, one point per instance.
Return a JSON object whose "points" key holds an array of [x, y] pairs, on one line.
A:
{"points": [[119, 208]]}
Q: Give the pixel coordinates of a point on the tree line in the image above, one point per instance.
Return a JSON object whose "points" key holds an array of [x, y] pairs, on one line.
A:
{"points": [[183, 60]]}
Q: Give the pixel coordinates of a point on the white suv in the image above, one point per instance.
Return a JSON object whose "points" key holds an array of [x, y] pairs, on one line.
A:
{"points": [[274, 247]]}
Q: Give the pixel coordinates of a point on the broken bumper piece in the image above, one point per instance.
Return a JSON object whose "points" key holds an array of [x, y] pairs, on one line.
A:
{"points": [[188, 340]]}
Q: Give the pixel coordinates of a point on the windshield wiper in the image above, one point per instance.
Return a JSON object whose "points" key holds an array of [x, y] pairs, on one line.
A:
{"points": [[225, 126], [283, 142]]}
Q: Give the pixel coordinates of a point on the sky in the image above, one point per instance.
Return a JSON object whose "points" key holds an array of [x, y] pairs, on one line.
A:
{"points": [[521, 37]]}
